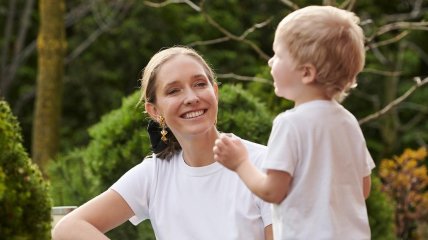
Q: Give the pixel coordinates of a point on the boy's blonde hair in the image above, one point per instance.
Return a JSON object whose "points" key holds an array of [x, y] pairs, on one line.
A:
{"points": [[331, 40]]}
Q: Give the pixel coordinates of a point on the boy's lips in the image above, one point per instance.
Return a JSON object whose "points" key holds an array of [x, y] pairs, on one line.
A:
{"points": [[193, 114]]}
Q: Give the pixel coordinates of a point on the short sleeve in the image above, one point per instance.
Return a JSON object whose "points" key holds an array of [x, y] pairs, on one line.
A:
{"points": [[265, 211], [257, 155], [369, 164], [282, 146], [265, 208], [135, 188]]}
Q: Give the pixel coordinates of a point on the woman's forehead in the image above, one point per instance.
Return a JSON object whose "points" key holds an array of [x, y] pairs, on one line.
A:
{"points": [[179, 67]]}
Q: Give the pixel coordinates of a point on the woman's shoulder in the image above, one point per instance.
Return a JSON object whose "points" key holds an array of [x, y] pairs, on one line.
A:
{"points": [[152, 161], [254, 147], [149, 167], [256, 151]]}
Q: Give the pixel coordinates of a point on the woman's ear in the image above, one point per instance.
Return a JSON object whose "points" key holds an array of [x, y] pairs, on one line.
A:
{"points": [[215, 86], [152, 110], [309, 73]]}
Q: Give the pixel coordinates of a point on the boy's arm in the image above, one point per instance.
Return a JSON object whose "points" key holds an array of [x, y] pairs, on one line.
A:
{"points": [[268, 232], [366, 186], [271, 187]]}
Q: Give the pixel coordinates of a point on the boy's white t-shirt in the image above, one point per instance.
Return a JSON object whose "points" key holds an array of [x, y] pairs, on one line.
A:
{"points": [[321, 145], [184, 202]]}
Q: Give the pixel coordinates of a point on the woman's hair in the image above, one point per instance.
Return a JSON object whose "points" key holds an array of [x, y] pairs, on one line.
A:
{"points": [[330, 39], [149, 79]]}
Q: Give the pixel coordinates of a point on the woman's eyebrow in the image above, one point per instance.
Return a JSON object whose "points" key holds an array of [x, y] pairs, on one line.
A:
{"points": [[175, 82], [199, 76]]}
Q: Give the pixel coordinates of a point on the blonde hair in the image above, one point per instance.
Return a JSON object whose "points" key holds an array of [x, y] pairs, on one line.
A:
{"points": [[149, 79], [331, 40]]}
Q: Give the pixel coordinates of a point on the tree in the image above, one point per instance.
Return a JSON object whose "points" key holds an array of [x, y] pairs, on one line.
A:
{"points": [[51, 46]]}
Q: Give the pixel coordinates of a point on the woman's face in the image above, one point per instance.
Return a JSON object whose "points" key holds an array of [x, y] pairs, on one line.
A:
{"points": [[185, 97]]}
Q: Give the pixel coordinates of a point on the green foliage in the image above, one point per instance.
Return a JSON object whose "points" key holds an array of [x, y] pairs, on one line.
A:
{"points": [[112, 63], [406, 181], [119, 142], [71, 179], [243, 114], [266, 92], [381, 212], [24, 202]]}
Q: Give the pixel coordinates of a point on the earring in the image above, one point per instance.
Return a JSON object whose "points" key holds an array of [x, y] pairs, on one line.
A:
{"points": [[163, 131]]}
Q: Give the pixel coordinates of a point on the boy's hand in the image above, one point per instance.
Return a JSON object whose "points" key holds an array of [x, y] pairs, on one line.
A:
{"points": [[229, 151]]}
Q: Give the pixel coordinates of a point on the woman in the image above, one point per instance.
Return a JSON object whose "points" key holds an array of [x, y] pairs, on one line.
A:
{"points": [[180, 188]]}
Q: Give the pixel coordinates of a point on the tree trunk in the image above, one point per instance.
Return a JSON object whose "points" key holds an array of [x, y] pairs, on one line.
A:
{"points": [[390, 123], [51, 46]]}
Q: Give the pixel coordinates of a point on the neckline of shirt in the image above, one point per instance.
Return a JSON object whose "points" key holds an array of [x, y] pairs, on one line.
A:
{"points": [[198, 171], [315, 103]]}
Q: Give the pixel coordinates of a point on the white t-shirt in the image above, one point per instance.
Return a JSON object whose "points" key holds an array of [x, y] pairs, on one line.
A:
{"points": [[321, 145], [184, 202]]}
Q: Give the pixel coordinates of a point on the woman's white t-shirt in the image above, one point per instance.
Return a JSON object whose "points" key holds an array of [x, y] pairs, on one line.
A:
{"points": [[321, 145], [184, 202]]}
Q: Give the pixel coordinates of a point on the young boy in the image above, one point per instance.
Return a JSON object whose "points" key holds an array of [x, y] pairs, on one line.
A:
{"points": [[318, 166]]}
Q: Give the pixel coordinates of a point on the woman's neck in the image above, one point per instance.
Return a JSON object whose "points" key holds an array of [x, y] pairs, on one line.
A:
{"points": [[198, 150]]}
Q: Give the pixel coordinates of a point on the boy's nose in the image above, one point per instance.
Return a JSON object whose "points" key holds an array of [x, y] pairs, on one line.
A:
{"points": [[270, 61]]}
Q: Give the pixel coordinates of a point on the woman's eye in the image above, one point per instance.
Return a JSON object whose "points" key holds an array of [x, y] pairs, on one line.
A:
{"points": [[201, 84], [172, 91]]}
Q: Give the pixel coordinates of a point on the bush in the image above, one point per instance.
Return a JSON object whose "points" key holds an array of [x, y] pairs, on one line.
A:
{"points": [[381, 212], [120, 141], [243, 114], [405, 180], [71, 180], [24, 202]]}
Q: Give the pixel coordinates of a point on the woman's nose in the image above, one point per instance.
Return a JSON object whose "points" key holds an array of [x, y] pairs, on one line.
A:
{"points": [[191, 98]]}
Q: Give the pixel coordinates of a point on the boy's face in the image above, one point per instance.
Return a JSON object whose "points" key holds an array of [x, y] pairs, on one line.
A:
{"points": [[287, 78]]}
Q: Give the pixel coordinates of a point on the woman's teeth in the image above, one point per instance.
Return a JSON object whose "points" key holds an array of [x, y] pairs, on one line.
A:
{"points": [[194, 114]]}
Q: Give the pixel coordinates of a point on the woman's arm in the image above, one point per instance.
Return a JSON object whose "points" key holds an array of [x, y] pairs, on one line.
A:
{"points": [[94, 218]]}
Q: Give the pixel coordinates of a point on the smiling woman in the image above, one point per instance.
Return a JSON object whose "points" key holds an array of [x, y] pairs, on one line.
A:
{"points": [[187, 99], [180, 94]]}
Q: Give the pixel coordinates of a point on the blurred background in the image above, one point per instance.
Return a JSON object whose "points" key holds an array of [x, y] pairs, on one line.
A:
{"points": [[70, 70]]}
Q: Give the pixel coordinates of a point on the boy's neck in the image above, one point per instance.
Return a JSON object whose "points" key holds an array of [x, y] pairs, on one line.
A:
{"points": [[311, 93]]}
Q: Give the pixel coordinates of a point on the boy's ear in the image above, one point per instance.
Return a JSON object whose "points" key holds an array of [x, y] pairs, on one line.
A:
{"points": [[151, 110], [309, 73]]}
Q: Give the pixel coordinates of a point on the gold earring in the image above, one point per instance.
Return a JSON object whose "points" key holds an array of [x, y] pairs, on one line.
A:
{"points": [[163, 131]]}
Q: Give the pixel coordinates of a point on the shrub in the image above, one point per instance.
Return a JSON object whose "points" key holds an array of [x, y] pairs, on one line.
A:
{"points": [[71, 180], [243, 114], [406, 182], [381, 212], [24, 202], [120, 141]]}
